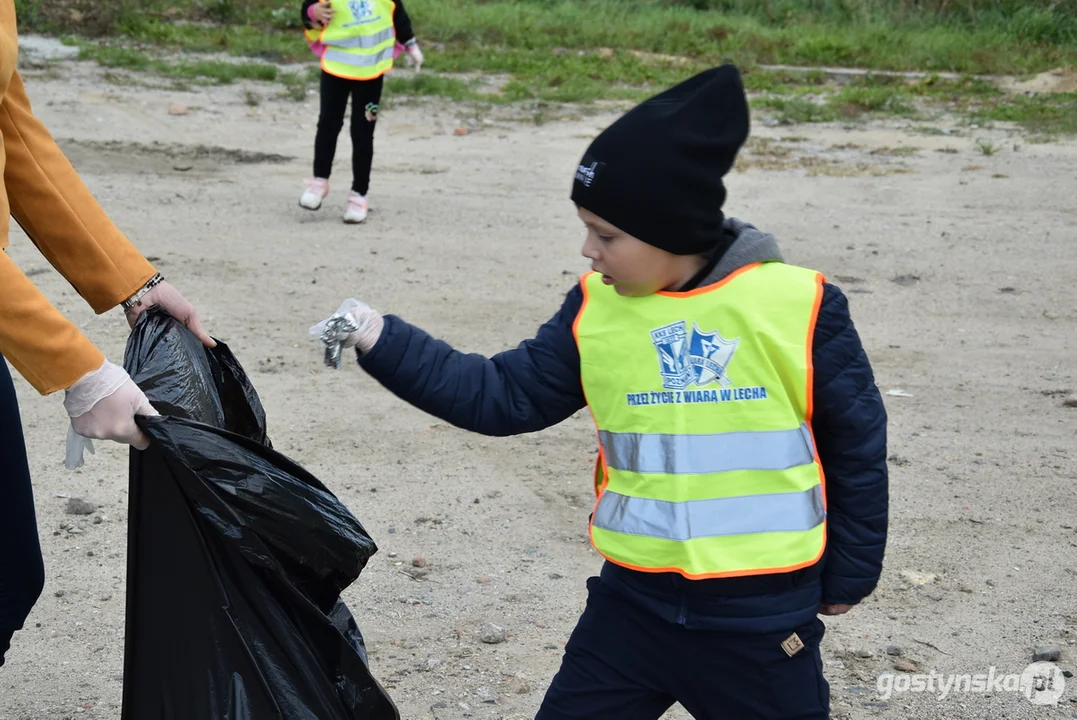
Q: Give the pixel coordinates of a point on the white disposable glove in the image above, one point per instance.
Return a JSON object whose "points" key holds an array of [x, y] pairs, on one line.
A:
{"points": [[416, 55], [102, 406], [354, 324]]}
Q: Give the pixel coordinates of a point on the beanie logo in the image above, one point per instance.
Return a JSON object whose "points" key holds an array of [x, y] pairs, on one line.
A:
{"points": [[587, 173]]}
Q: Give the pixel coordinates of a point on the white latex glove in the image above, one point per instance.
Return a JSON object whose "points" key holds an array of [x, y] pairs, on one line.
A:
{"points": [[415, 54], [102, 406], [169, 299], [354, 324]]}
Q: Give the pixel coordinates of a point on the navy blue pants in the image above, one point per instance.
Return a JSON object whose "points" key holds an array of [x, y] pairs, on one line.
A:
{"points": [[624, 663], [22, 573]]}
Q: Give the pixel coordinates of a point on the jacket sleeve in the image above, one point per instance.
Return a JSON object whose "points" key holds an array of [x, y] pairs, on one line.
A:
{"points": [[303, 14], [527, 389], [51, 203], [402, 24], [849, 424]]}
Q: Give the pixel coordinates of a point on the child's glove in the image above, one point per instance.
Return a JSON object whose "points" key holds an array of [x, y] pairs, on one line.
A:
{"points": [[102, 405], [354, 324], [416, 55]]}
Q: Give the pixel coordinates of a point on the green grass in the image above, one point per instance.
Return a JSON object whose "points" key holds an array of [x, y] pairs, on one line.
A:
{"points": [[571, 51]]}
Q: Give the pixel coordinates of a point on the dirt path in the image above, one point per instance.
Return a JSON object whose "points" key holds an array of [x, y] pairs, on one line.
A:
{"points": [[960, 271]]}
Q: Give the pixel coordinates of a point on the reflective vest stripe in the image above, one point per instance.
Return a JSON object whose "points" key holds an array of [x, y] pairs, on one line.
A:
{"points": [[346, 58], [683, 521], [702, 454], [365, 42]]}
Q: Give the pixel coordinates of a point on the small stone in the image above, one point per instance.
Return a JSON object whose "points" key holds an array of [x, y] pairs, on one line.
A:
{"points": [[118, 677], [893, 650], [483, 692], [556, 576], [178, 109], [392, 554], [519, 686], [899, 460], [89, 553], [915, 577], [492, 634], [1046, 653], [59, 593], [78, 506], [1071, 401], [482, 580], [97, 520], [460, 131], [418, 562], [1067, 673], [865, 653], [391, 531], [904, 665], [431, 664]]}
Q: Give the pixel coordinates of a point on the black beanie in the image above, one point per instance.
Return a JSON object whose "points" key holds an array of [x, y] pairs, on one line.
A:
{"points": [[656, 173]]}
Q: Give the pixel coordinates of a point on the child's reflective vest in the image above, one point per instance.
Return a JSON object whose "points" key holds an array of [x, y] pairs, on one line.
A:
{"points": [[707, 465], [359, 41]]}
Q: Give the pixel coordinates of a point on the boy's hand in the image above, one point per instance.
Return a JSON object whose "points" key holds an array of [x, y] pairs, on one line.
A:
{"points": [[322, 13], [834, 609], [354, 324]]}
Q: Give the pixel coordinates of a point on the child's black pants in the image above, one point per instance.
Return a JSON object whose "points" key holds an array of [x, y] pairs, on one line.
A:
{"points": [[366, 97], [624, 663]]}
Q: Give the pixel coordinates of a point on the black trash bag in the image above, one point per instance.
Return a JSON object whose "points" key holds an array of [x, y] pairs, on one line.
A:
{"points": [[236, 556]]}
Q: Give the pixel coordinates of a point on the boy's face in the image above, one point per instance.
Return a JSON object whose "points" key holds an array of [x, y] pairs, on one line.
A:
{"points": [[631, 266]]}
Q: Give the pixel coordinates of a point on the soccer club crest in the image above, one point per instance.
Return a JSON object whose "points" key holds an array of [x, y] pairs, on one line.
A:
{"points": [[695, 359], [361, 8]]}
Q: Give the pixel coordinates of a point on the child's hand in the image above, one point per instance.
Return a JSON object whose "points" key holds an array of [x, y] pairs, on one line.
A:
{"points": [[322, 13], [416, 55], [354, 324], [834, 609]]}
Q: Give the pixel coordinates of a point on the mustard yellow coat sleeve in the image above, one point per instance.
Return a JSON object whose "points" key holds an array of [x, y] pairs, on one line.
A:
{"points": [[48, 199]]}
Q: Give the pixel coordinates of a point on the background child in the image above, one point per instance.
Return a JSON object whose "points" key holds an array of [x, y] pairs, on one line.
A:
{"points": [[357, 41], [742, 480]]}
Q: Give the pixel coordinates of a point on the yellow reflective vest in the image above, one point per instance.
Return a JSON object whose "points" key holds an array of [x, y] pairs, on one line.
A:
{"points": [[707, 465], [359, 41]]}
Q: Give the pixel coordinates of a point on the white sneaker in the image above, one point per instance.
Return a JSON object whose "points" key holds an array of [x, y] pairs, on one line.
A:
{"points": [[357, 208], [316, 191]]}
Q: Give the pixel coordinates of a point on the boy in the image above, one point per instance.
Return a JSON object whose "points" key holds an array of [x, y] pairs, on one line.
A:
{"points": [[741, 481]]}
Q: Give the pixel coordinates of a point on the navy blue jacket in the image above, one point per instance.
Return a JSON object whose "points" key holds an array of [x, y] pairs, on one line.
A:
{"points": [[538, 385]]}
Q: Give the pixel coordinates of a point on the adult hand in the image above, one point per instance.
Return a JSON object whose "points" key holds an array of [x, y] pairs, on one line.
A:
{"points": [[102, 406], [169, 299]]}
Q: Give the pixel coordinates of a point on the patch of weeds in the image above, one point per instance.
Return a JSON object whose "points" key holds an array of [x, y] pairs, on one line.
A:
{"points": [[948, 150], [251, 98], [432, 85], [798, 110], [902, 151], [1045, 115], [853, 101], [986, 147], [116, 57], [295, 86]]}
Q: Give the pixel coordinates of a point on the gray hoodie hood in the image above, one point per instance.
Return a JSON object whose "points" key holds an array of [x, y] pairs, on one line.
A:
{"points": [[751, 246]]}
